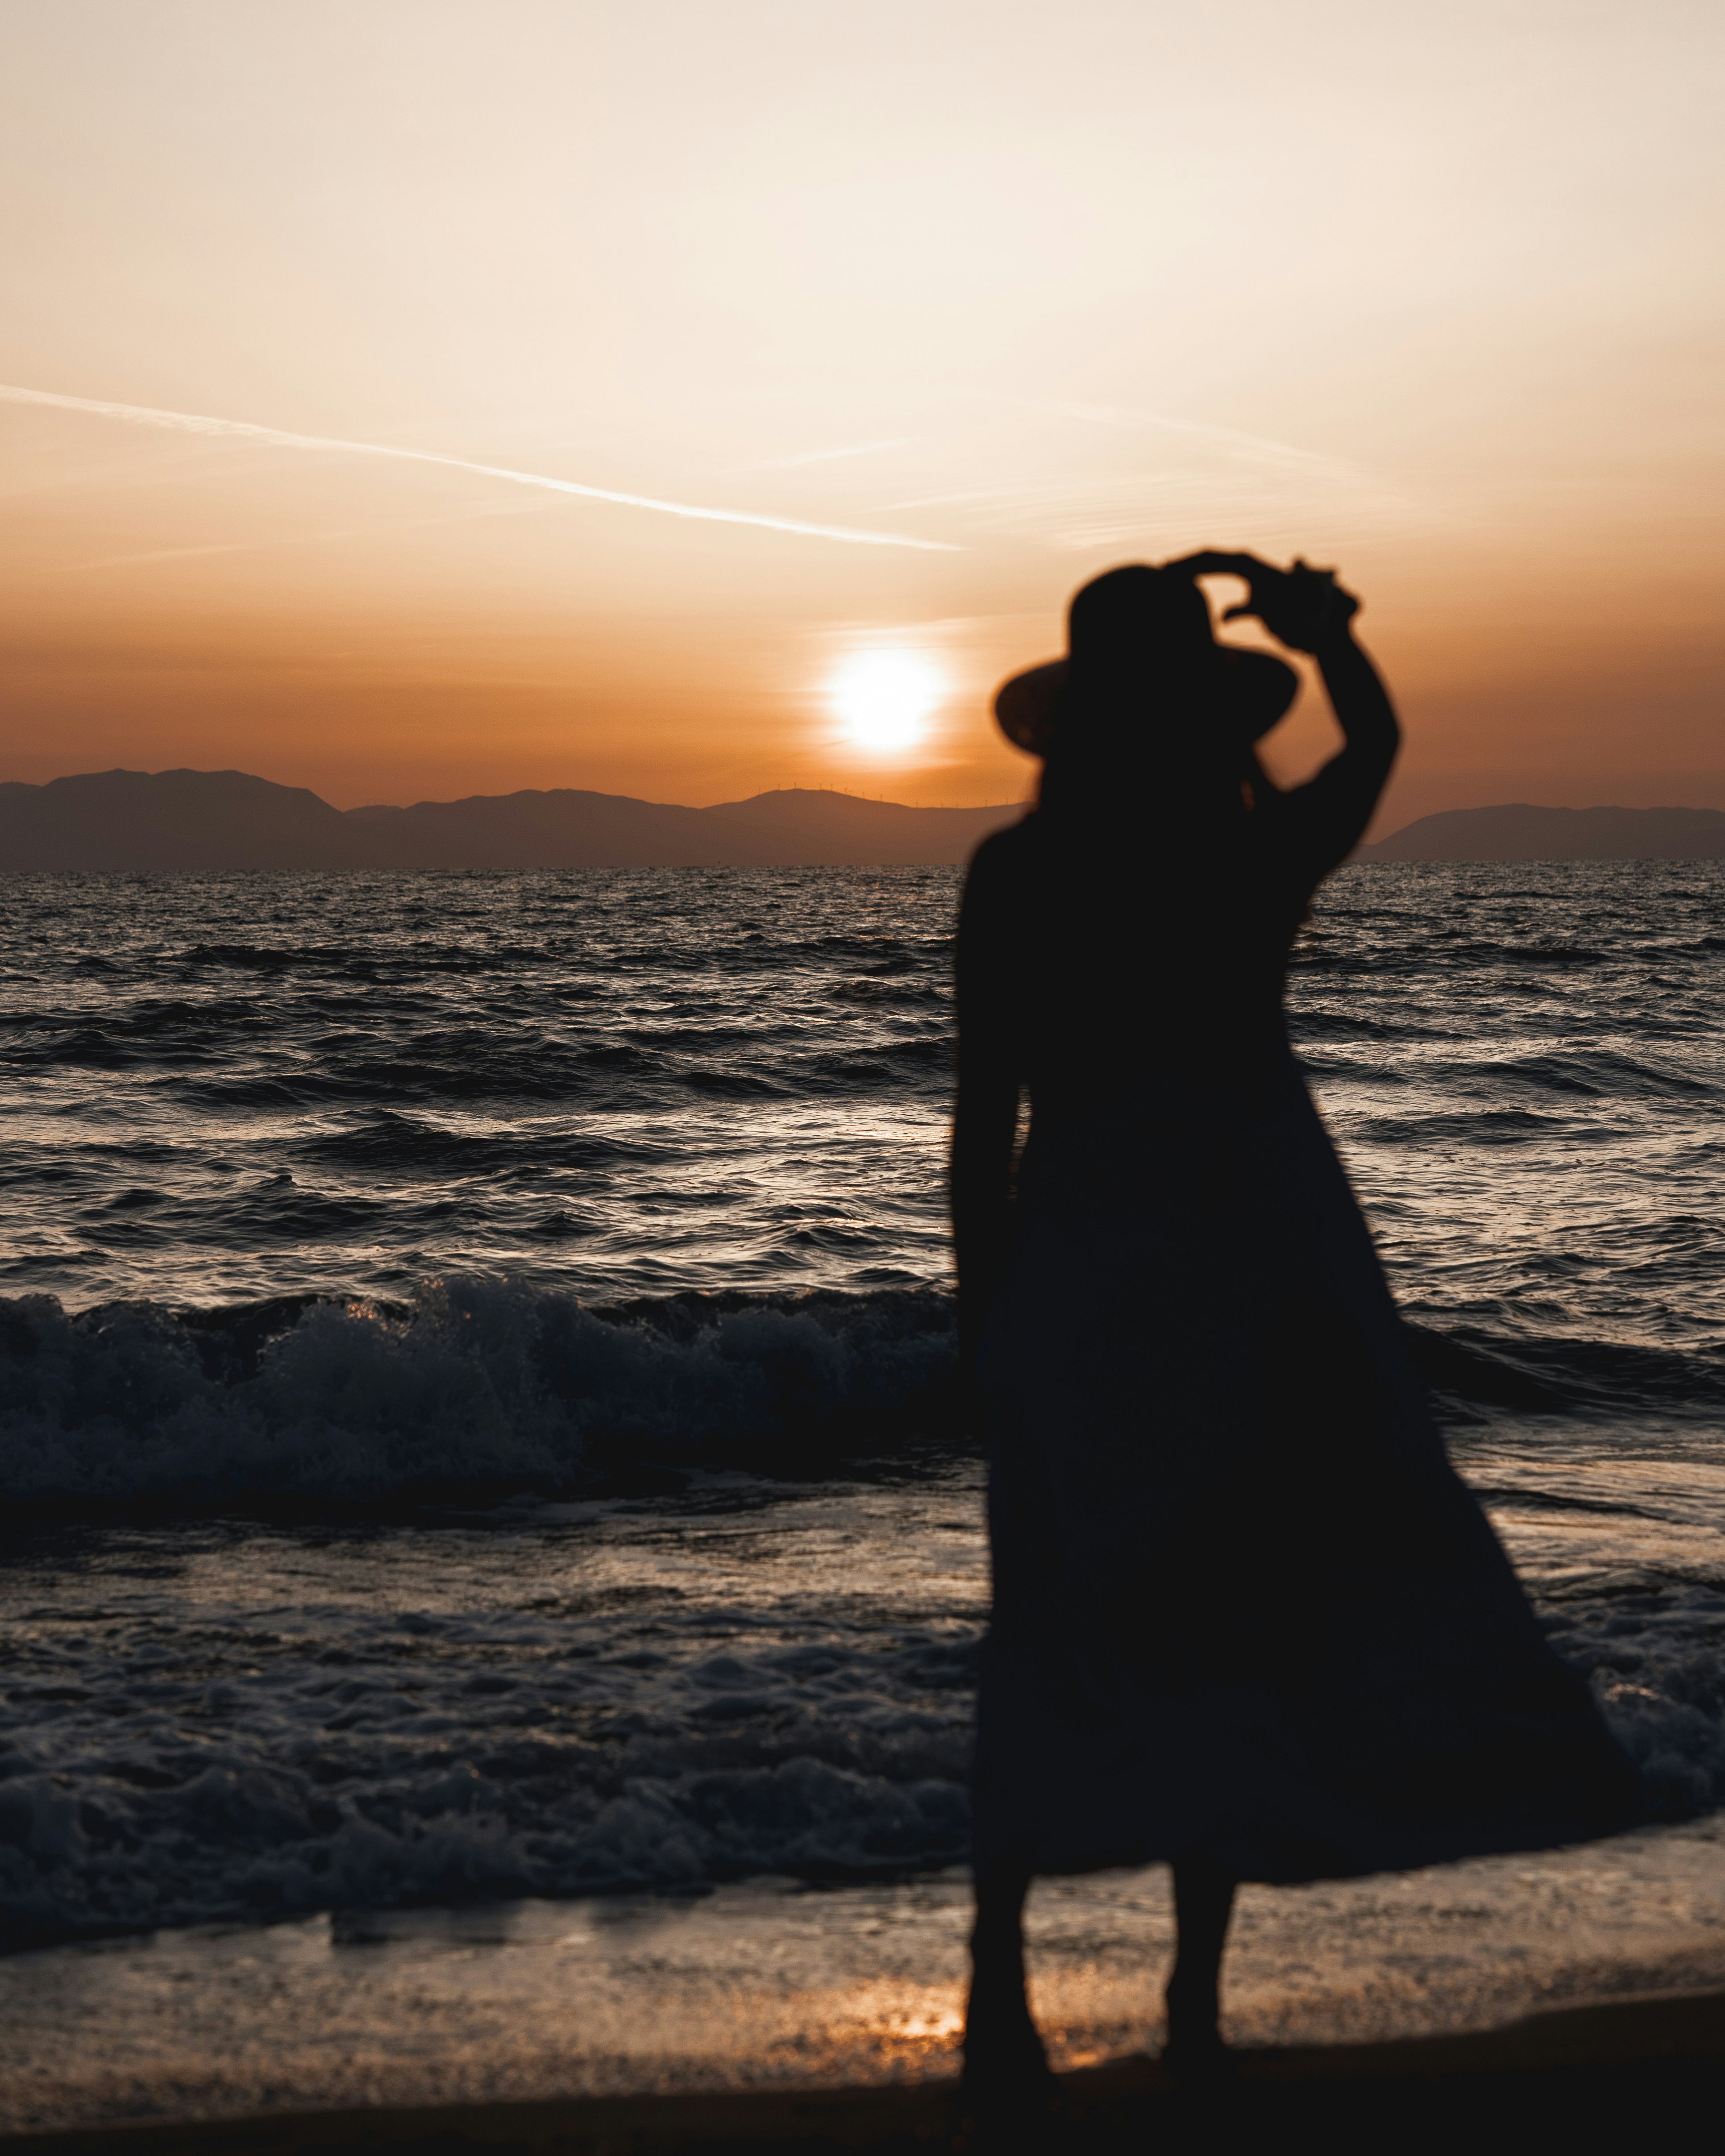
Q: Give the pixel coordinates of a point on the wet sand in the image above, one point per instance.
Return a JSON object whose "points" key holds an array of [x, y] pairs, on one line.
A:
{"points": [[770, 2010], [1586, 2072]]}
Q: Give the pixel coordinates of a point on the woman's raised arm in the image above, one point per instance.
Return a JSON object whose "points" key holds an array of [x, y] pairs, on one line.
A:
{"points": [[1335, 807], [1307, 610]]}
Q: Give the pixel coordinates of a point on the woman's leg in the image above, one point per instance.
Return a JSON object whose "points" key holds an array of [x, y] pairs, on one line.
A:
{"points": [[1203, 1901], [1000, 2040]]}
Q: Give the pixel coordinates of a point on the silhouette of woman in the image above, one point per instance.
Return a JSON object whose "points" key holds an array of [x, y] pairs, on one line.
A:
{"points": [[1245, 1617]]}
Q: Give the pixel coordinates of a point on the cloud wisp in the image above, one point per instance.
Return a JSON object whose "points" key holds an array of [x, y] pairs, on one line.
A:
{"points": [[831, 456], [189, 423], [1187, 482]]}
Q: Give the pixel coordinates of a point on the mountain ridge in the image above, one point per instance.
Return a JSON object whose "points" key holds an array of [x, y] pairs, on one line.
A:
{"points": [[1520, 831], [185, 822]]}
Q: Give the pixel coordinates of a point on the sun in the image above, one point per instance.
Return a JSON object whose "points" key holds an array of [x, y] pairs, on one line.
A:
{"points": [[884, 697]]}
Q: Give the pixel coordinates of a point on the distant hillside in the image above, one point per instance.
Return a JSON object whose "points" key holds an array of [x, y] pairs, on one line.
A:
{"points": [[217, 822], [214, 822], [1517, 832]]}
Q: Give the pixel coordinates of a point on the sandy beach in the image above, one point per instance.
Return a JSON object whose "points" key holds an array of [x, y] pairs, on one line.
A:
{"points": [[769, 2012], [1592, 2071]]}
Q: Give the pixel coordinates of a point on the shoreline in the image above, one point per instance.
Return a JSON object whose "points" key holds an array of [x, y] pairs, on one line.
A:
{"points": [[599, 2017], [1590, 2063]]}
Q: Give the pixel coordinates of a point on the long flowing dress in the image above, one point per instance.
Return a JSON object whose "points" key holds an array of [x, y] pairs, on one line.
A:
{"points": [[1243, 1607]]}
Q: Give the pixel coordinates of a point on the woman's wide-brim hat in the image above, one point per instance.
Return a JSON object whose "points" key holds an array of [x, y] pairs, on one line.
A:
{"points": [[1248, 692]]}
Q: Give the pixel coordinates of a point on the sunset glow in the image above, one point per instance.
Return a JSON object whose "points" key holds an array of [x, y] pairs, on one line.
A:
{"points": [[417, 401]]}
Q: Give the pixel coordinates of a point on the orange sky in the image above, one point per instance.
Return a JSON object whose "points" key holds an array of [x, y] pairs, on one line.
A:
{"points": [[1430, 293]]}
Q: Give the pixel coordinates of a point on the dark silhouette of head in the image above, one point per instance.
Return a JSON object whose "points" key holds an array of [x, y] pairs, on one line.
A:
{"points": [[1149, 707], [1137, 621], [1145, 676]]}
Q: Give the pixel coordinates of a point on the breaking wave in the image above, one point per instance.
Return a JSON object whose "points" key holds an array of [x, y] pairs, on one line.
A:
{"points": [[478, 1384]]}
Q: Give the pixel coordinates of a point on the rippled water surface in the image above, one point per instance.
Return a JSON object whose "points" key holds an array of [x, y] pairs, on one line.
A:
{"points": [[636, 1081], [625, 1080], [475, 1360]]}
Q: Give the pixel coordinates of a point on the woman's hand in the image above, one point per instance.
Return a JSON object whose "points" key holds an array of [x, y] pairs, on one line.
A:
{"points": [[1308, 611], [1303, 607]]}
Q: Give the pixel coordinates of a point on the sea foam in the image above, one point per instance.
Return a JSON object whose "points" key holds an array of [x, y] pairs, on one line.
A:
{"points": [[475, 1381]]}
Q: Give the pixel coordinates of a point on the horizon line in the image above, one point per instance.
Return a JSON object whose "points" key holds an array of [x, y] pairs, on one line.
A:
{"points": [[735, 801], [880, 800]]}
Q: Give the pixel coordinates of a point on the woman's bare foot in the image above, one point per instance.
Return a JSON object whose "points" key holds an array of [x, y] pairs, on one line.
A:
{"points": [[1010, 2103], [1004, 2056], [1195, 2054]]}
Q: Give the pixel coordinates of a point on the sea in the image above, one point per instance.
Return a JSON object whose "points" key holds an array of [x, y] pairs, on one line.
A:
{"points": [[479, 1428]]}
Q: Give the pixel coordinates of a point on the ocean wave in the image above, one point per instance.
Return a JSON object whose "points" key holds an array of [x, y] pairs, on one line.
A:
{"points": [[1463, 1128], [476, 1383], [258, 1763], [1469, 1368], [600, 1077], [246, 1843], [1598, 1073], [385, 1138], [252, 1767], [733, 1085]]}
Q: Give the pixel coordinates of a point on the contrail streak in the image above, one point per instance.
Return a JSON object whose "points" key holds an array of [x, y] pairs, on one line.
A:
{"points": [[192, 423]]}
